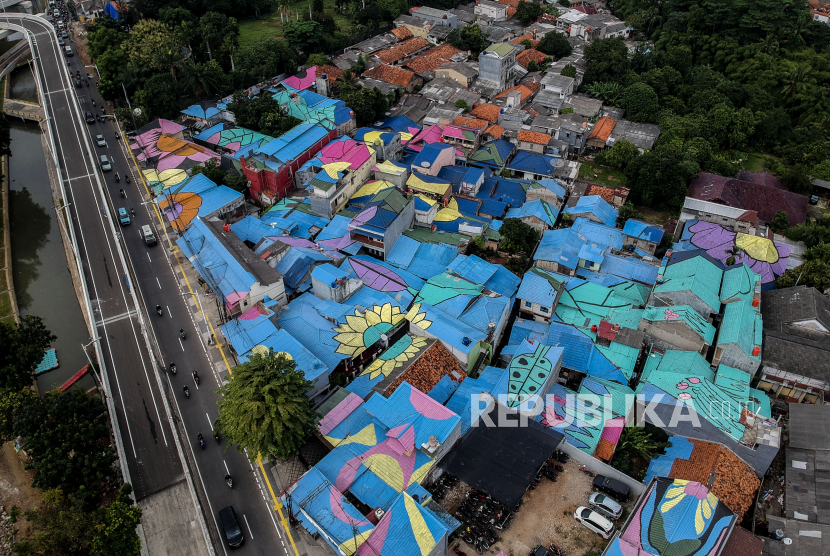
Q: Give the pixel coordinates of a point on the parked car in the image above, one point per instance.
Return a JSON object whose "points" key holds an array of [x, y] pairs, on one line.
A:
{"points": [[231, 527], [100, 141], [124, 216], [612, 487], [90, 119], [105, 163], [813, 199], [605, 505], [594, 521]]}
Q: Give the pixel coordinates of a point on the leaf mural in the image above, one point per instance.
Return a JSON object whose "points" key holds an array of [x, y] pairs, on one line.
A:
{"points": [[377, 276], [528, 373]]}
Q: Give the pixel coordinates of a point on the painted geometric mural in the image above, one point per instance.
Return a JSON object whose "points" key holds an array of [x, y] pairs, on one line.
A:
{"points": [[363, 330], [528, 373]]}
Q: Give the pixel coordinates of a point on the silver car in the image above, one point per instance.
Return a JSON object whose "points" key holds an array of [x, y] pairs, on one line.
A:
{"points": [[105, 163], [100, 141], [605, 505], [594, 521]]}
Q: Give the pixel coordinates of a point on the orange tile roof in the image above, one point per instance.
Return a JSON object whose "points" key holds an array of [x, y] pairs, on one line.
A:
{"points": [[494, 130], [526, 90], [486, 112], [333, 72], [607, 193], [534, 137], [435, 363], [513, 3], [402, 50], [470, 122], [390, 74], [528, 36], [432, 58], [511, 11], [402, 33], [605, 450], [602, 130], [525, 56]]}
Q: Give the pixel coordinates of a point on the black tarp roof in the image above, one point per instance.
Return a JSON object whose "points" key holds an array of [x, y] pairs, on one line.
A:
{"points": [[502, 461]]}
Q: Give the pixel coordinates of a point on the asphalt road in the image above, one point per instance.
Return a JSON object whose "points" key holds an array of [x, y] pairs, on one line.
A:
{"points": [[138, 394]]}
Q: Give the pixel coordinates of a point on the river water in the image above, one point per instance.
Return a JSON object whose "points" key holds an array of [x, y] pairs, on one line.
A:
{"points": [[42, 282]]}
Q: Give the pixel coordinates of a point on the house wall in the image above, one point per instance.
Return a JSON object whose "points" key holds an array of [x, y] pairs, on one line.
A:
{"points": [[449, 20], [425, 218], [535, 311], [495, 68], [535, 223], [553, 266], [734, 356], [461, 356], [544, 194], [648, 246], [532, 147], [275, 291], [673, 335], [397, 227], [686, 297], [448, 73], [793, 387], [497, 13], [417, 31], [738, 226], [446, 157]]}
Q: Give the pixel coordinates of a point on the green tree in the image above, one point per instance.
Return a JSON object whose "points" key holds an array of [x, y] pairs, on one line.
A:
{"points": [[249, 111], [200, 79], [518, 237], [636, 441], [569, 71], [306, 36], [531, 66], [528, 12], [368, 105], [174, 15], [277, 123], [607, 60], [797, 179], [606, 91], [265, 408], [236, 181], [220, 33], [68, 438], [159, 97], [21, 349], [811, 233], [101, 39], [211, 171], [659, 179], [621, 154], [780, 223], [114, 532], [733, 253], [154, 45], [461, 103], [60, 528], [821, 171], [640, 103], [813, 274], [263, 59], [318, 60], [318, 6], [627, 211], [469, 37], [555, 44], [567, 110], [11, 401]]}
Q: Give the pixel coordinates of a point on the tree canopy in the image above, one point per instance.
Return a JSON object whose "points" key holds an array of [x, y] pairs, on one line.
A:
{"points": [[469, 37], [265, 409], [518, 236], [21, 349], [555, 44]]}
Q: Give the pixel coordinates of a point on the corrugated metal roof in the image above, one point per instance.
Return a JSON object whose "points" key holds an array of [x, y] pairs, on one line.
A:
{"points": [[642, 230], [501, 48], [742, 324]]}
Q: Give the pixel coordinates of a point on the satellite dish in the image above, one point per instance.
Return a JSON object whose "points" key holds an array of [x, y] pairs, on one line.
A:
{"points": [[788, 541], [424, 164]]}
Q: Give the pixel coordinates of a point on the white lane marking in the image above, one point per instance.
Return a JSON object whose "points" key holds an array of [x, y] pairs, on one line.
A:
{"points": [[56, 92], [151, 260], [181, 344], [249, 526], [78, 177], [157, 281], [228, 471], [209, 421], [122, 316], [168, 311]]}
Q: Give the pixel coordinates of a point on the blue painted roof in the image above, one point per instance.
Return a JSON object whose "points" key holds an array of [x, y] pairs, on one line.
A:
{"points": [[496, 209], [454, 175], [494, 277], [399, 123], [422, 205], [560, 246], [327, 273], [473, 174], [541, 164], [597, 206], [504, 190], [296, 222], [213, 197], [553, 186], [293, 266], [202, 110], [386, 138], [641, 230], [599, 235], [591, 253], [424, 260], [525, 330], [627, 268], [293, 143], [540, 209], [539, 286], [429, 154], [582, 355]]}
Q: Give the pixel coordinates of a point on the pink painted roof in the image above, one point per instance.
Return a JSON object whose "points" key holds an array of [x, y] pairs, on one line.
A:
{"points": [[453, 131], [340, 412], [302, 80], [346, 150]]}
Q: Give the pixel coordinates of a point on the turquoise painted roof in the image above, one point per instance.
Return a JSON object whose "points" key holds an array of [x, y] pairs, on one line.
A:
{"points": [[742, 325], [739, 282], [697, 275], [685, 313], [686, 363]]}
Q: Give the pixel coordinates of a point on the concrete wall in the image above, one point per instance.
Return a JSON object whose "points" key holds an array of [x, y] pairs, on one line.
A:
{"points": [[601, 468], [735, 357], [673, 335], [686, 297], [397, 227]]}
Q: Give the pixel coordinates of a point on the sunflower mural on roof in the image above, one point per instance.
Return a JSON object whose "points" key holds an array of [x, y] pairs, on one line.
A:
{"points": [[399, 353], [363, 330]]}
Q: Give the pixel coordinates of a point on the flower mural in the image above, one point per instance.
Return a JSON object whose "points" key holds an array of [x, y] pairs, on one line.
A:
{"points": [[181, 208], [399, 353], [157, 144], [363, 330], [762, 255], [706, 501]]}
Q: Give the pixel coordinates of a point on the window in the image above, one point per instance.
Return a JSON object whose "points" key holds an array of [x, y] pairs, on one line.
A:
{"points": [[545, 309], [528, 304]]}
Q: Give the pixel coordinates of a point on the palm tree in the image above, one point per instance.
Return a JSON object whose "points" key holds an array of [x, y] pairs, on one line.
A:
{"points": [[198, 78], [797, 78], [733, 253], [769, 45], [636, 442]]}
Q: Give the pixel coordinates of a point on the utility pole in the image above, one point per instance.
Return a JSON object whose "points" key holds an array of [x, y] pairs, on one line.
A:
{"points": [[135, 127]]}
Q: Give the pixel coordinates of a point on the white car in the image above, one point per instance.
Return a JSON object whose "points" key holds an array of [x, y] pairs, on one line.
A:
{"points": [[594, 521], [605, 505], [99, 139]]}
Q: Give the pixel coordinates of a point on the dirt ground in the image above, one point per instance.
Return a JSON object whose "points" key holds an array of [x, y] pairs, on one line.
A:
{"points": [[546, 516], [16, 486]]}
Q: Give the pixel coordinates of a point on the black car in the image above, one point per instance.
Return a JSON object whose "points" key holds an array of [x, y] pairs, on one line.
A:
{"points": [[230, 525], [90, 119], [612, 487]]}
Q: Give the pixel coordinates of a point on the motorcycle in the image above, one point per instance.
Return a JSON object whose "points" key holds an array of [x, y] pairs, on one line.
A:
{"points": [[186, 391], [122, 193], [459, 552], [201, 440], [127, 178], [182, 334], [217, 437], [172, 365], [132, 211], [228, 480], [117, 178], [196, 377], [159, 310]]}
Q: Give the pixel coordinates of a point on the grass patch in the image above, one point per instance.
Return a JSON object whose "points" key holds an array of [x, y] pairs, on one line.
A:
{"points": [[8, 320], [5, 46], [655, 216], [269, 26], [604, 175], [5, 304], [2, 258], [3, 285]]}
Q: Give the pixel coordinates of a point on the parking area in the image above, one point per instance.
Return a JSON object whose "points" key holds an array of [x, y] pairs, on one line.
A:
{"points": [[546, 516]]}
